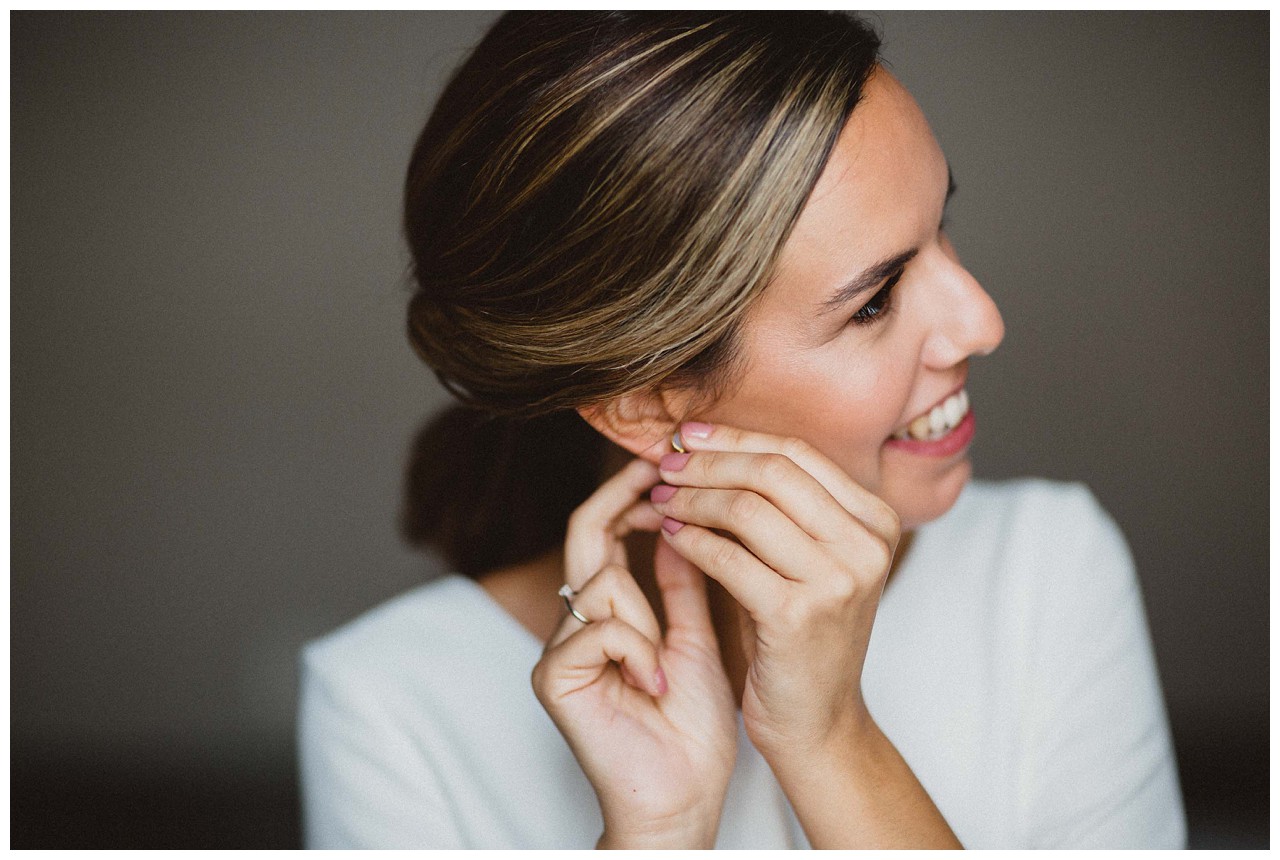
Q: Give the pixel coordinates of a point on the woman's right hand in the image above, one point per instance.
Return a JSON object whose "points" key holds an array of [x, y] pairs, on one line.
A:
{"points": [[650, 717]]}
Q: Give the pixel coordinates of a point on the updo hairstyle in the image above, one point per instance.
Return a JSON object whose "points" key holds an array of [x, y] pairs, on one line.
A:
{"points": [[593, 205]]}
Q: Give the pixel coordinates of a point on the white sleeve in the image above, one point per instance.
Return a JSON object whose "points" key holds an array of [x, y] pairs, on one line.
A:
{"points": [[365, 784], [1101, 770]]}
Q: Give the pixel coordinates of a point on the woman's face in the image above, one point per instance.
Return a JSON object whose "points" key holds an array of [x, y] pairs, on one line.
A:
{"points": [[871, 319]]}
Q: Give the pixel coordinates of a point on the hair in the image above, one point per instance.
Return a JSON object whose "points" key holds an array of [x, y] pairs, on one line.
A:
{"points": [[593, 206]]}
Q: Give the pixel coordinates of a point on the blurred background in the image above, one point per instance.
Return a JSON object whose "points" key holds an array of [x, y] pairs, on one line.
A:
{"points": [[212, 395]]}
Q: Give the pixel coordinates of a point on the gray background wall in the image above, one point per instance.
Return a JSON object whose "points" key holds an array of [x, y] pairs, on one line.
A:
{"points": [[212, 396]]}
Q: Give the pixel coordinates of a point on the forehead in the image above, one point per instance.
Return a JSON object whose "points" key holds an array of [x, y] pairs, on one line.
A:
{"points": [[880, 193]]}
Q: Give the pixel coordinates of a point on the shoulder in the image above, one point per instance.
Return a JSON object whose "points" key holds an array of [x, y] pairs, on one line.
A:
{"points": [[1096, 762], [1032, 520], [1053, 561], [435, 637], [1024, 503], [417, 623], [1029, 544]]}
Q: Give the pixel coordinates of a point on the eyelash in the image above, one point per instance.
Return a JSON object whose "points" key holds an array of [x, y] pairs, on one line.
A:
{"points": [[879, 305]]}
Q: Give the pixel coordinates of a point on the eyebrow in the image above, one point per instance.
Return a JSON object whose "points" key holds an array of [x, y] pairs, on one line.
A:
{"points": [[869, 278], [878, 272]]}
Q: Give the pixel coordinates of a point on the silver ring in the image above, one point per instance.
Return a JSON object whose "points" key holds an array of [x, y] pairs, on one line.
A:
{"points": [[566, 592]]}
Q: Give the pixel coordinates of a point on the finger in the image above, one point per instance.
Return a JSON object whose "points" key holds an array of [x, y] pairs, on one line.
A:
{"points": [[745, 577], [640, 517], [801, 497], [611, 593], [684, 595], [585, 656], [867, 507], [590, 540], [768, 533]]}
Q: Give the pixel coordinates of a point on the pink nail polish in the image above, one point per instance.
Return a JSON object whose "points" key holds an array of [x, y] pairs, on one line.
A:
{"points": [[671, 526], [662, 493], [673, 462], [695, 430], [660, 681]]}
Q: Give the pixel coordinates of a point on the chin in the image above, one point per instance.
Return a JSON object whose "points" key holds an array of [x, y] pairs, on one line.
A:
{"points": [[920, 504]]}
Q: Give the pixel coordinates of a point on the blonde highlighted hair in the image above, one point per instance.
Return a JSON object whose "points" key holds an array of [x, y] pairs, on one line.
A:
{"points": [[598, 198]]}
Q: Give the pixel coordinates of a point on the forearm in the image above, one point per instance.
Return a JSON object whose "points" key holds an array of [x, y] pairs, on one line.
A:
{"points": [[858, 792]]}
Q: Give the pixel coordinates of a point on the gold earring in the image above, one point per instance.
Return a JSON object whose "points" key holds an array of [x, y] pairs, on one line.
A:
{"points": [[677, 442]]}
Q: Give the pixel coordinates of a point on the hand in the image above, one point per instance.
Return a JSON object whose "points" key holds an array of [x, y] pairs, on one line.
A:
{"points": [[649, 717], [808, 567]]}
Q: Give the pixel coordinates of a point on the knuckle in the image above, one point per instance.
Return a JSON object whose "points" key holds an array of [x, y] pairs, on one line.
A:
{"points": [[774, 468], [879, 557], [722, 555], [892, 523], [743, 506], [838, 596], [538, 676], [796, 449], [794, 613], [847, 592], [612, 576], [844, 587], [734, 436]]}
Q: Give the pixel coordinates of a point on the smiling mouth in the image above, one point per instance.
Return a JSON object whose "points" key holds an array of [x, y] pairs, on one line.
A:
{"points": [[938, 421]]}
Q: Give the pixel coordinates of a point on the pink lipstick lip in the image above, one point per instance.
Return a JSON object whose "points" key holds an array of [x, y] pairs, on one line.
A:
{"points": [[953, 442]]}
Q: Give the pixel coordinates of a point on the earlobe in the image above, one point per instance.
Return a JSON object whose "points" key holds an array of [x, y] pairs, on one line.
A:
{"points": [[639, 422]]}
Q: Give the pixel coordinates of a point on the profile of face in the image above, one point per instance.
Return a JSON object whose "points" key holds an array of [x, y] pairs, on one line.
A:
{"points": [[871, 319]]}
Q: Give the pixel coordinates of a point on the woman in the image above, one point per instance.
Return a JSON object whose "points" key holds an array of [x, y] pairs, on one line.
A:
{"points": [[688, 274]]}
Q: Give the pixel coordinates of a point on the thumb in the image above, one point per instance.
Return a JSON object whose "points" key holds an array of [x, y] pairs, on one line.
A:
{"points": [[684, 594]]}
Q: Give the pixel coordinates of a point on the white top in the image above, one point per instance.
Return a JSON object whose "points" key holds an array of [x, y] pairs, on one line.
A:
{"points": [[1010, 664]]}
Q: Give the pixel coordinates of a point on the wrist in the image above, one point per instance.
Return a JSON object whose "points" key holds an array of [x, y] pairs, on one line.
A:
{"points": [[851, 742], [688, 831], [665, 840]]}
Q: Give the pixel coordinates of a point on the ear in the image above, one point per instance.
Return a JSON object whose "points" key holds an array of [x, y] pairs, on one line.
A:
{"points": [[640, 422]]}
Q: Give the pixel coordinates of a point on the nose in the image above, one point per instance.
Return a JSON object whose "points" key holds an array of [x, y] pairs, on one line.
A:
{"points": [[964, 319]]}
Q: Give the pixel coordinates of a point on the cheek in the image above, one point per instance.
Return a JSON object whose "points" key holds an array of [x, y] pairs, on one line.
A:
{"points": [[859, 403], [846, 409], [845, 401]]}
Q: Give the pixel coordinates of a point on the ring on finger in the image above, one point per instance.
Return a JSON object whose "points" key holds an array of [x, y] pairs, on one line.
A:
{"points": [[568, 593]]}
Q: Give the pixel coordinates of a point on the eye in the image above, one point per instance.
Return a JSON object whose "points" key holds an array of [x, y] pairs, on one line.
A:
{"points": [[879, 304]]}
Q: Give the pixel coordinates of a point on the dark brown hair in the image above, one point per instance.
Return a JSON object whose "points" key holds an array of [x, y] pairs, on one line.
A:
{"points": [[594, 204]]}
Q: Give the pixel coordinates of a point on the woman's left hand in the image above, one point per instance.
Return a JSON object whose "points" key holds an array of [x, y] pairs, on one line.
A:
{"points": [[812, 554]]}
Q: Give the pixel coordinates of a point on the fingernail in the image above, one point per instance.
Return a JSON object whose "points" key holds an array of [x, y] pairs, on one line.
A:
{"points": [[671, 526], [662, 493], [673, 462], [695, 430], [659, 681]]}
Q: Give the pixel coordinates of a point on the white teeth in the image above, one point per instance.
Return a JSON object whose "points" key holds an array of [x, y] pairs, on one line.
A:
{"points": [[938, 421], [952, 410]]}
